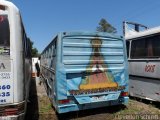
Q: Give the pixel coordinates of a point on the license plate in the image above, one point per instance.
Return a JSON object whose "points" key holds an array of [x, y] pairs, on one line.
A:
{"points": [[105, 97], [98, 98]]}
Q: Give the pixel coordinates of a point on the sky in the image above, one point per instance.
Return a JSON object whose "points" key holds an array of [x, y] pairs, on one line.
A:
{"points": [[44, 19]]}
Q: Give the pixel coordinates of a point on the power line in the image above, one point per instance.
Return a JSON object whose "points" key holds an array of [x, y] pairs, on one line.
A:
{"points": [[138, 8], [141, 11]]}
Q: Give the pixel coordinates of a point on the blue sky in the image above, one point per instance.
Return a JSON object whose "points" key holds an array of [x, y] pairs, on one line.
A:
{"points": [[43, 19]]}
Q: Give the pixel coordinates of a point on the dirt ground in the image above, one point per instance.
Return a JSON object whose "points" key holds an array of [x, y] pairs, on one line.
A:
{"points": [[40, 108]]}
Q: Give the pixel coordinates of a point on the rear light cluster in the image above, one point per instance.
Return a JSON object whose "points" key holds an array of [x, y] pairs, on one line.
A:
{"points": [[124, 94], [12, 109], [65, 101]]}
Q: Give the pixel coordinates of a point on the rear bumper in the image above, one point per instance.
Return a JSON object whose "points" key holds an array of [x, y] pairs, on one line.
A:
{"points": [[15, 111], [13, 117], [76, 107]]}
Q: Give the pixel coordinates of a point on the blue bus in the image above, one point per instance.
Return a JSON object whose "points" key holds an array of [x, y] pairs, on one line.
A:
{"points": [[84, 70]]}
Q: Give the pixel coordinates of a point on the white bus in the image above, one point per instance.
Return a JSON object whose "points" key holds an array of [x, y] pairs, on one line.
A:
{"points": [[15, 63], [34, 70], [143, 50]]}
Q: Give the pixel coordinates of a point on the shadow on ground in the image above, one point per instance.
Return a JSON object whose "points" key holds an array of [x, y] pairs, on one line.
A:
{"points": [[148, 102], [32, 106], [93, 113]]}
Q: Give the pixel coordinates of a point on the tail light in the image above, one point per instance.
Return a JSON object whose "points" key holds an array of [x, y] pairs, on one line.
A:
{"points": [[64, 101], [123, 94], [12, 109]]}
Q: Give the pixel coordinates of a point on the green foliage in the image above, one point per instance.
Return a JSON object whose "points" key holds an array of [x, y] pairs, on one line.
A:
{"points": [[34, 51], [104, 26]]}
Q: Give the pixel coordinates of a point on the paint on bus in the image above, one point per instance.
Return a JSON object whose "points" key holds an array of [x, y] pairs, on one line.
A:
{"points": [[100, 74], [100, 77], [83, 70]]}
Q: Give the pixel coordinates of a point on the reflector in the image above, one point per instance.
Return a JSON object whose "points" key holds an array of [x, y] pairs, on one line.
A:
{"points": [[11, 111], [124, 94], [64, 101]]}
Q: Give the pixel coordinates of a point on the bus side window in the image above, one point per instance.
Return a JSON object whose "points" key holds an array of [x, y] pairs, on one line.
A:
{"points": [[155, 47], [23, 39], [146, 47], [127, 46], [29, 48], [138, 49], [26, 43], [54, 50]]}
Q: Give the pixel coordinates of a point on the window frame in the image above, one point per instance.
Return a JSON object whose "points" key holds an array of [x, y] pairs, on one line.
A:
{"points": [[146, 39]]}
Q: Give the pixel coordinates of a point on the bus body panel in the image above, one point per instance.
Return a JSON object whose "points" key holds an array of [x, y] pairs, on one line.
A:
{"points": [[13, 117], [145, 88], [144, 79], [6, 77], [145, 68], [89, 71], [19, 61], [16, 55], [143, 56], [6, 69]]}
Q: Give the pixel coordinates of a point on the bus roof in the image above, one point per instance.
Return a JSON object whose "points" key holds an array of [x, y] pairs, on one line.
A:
{"points": [[85, 33], [147, 32]]}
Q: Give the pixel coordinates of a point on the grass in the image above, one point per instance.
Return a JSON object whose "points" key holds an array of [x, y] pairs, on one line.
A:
{"points": [[45, 109]]}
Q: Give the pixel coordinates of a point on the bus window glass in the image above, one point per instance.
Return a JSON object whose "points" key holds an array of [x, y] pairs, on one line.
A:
{"points": [[4, 31], [127, 45], [156, 46], [138, 49], [146, 47]]}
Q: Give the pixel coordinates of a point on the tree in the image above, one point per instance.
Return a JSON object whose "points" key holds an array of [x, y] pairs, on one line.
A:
{"points": [[104, 26], [34, 51]]}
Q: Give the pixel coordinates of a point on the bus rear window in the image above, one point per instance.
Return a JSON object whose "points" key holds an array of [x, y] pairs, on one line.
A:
{"points": [[4, 31]]}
